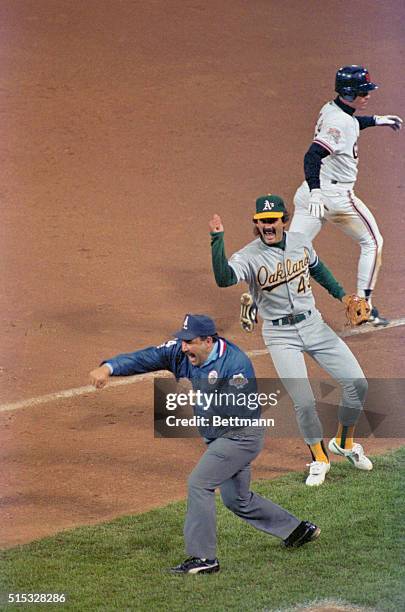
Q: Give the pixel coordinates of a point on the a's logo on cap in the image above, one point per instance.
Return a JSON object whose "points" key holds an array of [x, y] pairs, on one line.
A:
{"points": [[268, 205], [185, 324]]}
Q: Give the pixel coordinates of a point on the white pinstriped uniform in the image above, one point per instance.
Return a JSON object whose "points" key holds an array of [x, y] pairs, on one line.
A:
{"points": [[337, 132]]}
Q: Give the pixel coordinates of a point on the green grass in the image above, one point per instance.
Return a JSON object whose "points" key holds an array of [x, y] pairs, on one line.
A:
{"points": [[121, 565]]}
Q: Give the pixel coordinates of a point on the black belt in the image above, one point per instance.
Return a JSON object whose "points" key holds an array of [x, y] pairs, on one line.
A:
{"points": [[291, 319]]}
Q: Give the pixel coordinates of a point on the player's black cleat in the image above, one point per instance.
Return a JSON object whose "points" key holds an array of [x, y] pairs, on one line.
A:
{"points": [[248, 312], [195, 565], [305, 532], [376, 319]]}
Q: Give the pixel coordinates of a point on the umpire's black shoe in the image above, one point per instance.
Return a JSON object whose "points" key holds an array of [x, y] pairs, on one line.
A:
{"points": [[195, 565], [305, 532]]}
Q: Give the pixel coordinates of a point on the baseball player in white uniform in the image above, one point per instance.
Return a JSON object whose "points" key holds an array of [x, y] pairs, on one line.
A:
{"points": [[330, 167], [278, 266]]}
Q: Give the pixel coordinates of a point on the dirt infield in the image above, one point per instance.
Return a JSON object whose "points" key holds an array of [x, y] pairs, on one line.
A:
{"points": [[125, 126]]}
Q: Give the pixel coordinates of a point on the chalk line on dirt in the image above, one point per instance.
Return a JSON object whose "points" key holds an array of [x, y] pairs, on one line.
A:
{"points": [[129, 380]]}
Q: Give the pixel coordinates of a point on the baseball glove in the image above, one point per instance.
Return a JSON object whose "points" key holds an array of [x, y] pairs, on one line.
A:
{"points": [[248, 312], [357, 310]]}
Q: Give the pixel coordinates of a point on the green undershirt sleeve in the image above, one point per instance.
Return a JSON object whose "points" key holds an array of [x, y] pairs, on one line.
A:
{"points": [[224, 274], [324, 277]]}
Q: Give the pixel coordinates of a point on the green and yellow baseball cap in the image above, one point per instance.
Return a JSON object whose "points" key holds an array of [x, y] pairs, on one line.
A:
{"points": [[269, 207]]}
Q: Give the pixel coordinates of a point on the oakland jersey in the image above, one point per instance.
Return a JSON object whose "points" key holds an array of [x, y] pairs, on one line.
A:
{"points": [[278, 279]]}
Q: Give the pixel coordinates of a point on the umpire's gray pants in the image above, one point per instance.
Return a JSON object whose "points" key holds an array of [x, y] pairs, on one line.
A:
{"points": [[226, 464]]}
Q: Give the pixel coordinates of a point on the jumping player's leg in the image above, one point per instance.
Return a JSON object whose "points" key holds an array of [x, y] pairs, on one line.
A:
{"points": [[302, 220], [362, 227]]}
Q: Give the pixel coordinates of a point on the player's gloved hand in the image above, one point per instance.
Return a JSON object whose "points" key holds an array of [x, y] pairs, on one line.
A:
{"points": [[357, 309], [392, 121], [316, 207]]}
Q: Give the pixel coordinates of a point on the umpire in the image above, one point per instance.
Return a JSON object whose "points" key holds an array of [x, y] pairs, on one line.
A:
{"points": [[209, 361]]}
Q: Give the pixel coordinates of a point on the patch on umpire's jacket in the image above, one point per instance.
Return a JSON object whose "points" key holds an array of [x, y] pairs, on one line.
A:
{"points": [[212, 377], [239, 381]]}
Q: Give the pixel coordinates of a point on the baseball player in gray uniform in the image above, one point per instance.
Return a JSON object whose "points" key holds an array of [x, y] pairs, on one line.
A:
{"points": [[278, 267], [330, 167]]}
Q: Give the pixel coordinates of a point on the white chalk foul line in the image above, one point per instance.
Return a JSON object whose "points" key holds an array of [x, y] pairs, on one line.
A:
{"points": [[51, 397], [129, 380], [368, 327]]}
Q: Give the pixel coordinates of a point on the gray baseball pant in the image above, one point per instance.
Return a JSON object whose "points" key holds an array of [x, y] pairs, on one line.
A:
{"points": [[226, 464], [287, 345]]}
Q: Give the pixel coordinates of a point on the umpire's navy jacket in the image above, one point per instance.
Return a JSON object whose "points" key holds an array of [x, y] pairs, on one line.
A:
{"points": [[226, 370]]}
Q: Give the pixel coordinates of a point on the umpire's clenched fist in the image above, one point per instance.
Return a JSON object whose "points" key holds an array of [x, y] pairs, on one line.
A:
{"points": [[99, 377]]}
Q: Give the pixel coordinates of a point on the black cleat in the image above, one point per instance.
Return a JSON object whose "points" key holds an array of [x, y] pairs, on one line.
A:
{"points": [[305, 532], [195, 565], [376, 319]]}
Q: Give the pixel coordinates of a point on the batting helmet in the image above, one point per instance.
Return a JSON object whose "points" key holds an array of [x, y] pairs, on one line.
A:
{"points": [[352, 81]]}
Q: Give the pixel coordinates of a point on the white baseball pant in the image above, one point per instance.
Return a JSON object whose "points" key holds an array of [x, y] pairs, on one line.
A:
{"points": [[353, 217]]}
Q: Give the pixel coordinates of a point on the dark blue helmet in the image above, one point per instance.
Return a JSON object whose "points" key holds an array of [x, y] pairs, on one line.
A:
{"points": [[352, 81]]}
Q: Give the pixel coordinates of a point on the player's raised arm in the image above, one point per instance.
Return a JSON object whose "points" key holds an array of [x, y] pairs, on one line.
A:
{"points": [[223, 272]]}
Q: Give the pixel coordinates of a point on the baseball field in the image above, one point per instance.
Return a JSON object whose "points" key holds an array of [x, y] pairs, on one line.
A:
{"points": [[125, 126]]}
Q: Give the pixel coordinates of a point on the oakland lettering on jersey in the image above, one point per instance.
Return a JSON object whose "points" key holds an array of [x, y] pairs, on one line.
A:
{"points": [[284, 273]]}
